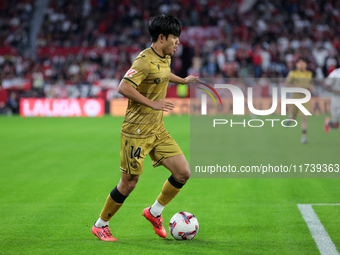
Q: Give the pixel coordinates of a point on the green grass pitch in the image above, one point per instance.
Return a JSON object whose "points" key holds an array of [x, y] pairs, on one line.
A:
{"points": [[57, 172]]}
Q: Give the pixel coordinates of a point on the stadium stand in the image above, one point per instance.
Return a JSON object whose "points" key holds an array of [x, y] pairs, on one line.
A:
{"points": [[89, 44]]}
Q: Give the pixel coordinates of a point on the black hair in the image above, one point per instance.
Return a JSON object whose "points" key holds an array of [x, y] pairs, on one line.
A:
{"points": [[165, 25], [301, 59]]}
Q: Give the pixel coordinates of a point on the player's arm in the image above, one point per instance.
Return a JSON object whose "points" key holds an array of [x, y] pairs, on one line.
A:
{"points": [[189, 79], [311, 86], [328, 86], [329, 83], [130, 92], [330, 89], [289, 80], [133, 78]]}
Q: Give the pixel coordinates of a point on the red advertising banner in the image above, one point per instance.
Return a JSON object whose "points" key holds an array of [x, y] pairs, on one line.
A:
{"points": [[44, 107]]}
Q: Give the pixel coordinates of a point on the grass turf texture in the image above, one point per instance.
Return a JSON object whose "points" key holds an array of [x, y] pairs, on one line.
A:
{"points": [[57, 172]]}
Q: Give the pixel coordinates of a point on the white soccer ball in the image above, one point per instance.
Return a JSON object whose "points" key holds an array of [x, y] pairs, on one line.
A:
{"points": [[183, 226]]}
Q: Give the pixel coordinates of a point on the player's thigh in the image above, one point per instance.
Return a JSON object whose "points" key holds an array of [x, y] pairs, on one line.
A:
{"points": [[164, 147], [294, 110], [167, 152], [307, 106], [132, 154]]}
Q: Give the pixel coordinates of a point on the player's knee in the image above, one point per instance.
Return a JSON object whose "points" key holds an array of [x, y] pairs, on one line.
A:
{"points": [[184, 175], [187, 174], [132, 184], [127, 188], [127, 185]]}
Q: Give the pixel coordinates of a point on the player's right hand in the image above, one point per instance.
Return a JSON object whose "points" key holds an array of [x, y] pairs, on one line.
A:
{"points": [[163, 105]]}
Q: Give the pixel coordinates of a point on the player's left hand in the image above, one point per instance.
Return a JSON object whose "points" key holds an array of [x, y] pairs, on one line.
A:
{"points": [[191, 79]]}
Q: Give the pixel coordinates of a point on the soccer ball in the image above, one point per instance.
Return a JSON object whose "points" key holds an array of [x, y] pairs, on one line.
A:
{"points": [[183, 226]]}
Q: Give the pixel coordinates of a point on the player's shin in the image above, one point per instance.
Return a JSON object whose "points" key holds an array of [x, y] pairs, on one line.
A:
{"points": [[113, 202], [170, 189]]}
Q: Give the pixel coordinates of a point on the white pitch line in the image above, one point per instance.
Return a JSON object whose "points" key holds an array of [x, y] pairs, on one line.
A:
{"points": [[319, 233], [324, 204]]}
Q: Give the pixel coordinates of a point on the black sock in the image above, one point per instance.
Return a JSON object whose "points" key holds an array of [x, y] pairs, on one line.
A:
{"points": [[175, 183], [117, 196]]}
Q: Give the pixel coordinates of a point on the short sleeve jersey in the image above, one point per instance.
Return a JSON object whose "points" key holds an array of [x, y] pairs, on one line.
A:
{"points": [[333, 80], [300, 79], [149, 75]]}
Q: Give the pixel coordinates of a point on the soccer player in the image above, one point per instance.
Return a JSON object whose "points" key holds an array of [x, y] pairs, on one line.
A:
{"points": [[143, 131], [300, 77], [333, 85]]}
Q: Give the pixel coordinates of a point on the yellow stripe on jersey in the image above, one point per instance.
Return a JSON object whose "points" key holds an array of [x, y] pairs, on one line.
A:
{"points": [[149, 75]]}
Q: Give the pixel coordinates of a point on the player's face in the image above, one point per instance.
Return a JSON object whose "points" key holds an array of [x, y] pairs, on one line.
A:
{"points": [[301, 65], [171, 45]]}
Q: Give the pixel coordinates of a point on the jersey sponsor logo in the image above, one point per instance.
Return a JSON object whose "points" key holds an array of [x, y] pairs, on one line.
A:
{"points": [[157, 80], [130, 73]]}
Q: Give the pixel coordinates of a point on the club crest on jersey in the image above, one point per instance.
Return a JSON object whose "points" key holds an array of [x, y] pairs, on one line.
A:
{"points": [[130, 73], [133, 163]]}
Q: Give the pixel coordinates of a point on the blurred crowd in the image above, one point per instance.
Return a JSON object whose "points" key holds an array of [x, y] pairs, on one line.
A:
{"points": [[262, 39]]}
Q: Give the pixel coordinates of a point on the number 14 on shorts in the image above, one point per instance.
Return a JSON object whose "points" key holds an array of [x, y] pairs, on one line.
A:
{"points": [[135, 153]]}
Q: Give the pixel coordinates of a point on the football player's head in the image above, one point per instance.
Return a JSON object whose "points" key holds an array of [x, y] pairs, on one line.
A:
{"points": [[301, 64], [165, 30]]}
